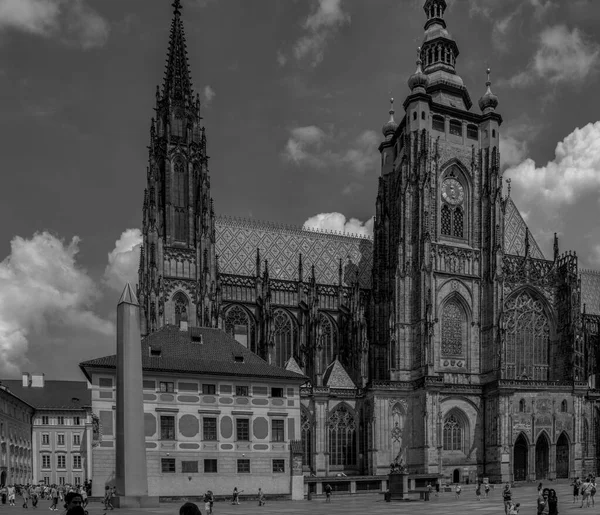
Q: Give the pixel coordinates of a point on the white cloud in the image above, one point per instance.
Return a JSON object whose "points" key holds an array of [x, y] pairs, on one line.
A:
{"points": [[572, 174], [208, 94], [561, 56], [71, 21], [124, 260], [321, 25], [281, 58], [594, 257], [41, 283], [306, 147], [339, 223]]}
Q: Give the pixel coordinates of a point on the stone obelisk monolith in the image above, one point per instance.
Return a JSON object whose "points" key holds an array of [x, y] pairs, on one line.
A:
{"points": [[131, 470]]}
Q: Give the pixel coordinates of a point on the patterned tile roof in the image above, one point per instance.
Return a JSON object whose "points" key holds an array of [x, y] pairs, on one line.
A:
{"points": [[53, 395], [336, 376], [590, 291], [514, 234], [238, 239], [181, 351]]}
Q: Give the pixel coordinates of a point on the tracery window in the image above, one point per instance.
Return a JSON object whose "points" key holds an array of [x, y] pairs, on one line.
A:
{"points": [[180, 192], [446, 221], [453, 434], [527, 338], [328, 340], [306, 429], [522, 405], [284, 334], [458, 223], [342, 437], [181, 307], [240, 324], [453, 320], [178, 126], [563, 406]]}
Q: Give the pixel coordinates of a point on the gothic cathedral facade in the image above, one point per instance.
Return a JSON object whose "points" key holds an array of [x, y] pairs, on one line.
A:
{"points": [[447, 340]]}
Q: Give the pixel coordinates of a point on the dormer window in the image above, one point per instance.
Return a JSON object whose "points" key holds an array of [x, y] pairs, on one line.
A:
{"points": [[456, 128], [238, 359], [155, 353]]}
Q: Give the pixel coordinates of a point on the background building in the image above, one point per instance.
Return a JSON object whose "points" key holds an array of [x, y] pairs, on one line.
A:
{"points": [[60, 429], [16, 450], [216, 415]]}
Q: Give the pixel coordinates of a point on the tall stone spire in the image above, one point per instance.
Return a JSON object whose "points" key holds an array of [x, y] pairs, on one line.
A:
{"points": [[177, 84], [178, 266]]}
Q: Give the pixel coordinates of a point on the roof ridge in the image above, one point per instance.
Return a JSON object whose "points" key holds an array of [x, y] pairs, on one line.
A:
{"points": [[297, 229]]}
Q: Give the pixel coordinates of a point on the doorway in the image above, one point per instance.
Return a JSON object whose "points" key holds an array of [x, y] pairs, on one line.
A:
{"points": [[562, 457], [3, 478], [456, 476], [542, 450], [520, 459]]}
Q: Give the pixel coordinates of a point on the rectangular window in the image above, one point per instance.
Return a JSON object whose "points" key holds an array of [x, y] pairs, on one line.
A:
{"points": [[61, 421], [276, 392], [243, 429], [61, 461], [167, 387], [243, 466], [242, 391], [61, 481], [149, 384], [76, 462], [105, 382], [45, 461], [472, 132], [278, 466], [277, 431], [78, 480], [209, 389], [189, 467], [76, 421], [210, 428], [45, 439], [76, 439], [45, 421], [167, 428], [210, 466], [167, 465], [60, 439], [46, 480]]}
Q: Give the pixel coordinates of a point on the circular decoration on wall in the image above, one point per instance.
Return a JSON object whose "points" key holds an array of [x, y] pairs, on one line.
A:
{"points": [[459, 364], [453, 191]]}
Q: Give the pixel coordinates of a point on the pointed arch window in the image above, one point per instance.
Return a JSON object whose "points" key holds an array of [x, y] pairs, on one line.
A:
{"points": [[181, 308], [585, 437], [453, 434], [240, 324], [446, 221], [328, 340], [527, 338], [341, 427], [563, 406], [284, 337], [306, 430], [458, 223], [522, 405], [453, 329], [180, 195]]}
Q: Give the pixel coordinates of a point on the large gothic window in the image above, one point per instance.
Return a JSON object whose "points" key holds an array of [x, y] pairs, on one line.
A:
{"points": [[284, 335], [453, 434], [240, 324], [342, 437], [453, 334], [181, 308], [306, 428], [328, 340], [527, 338], [453, 204], [585, 438], [180, 191]]}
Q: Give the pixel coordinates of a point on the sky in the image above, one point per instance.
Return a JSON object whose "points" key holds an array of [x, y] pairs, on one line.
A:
{"points": [[294, 94]]}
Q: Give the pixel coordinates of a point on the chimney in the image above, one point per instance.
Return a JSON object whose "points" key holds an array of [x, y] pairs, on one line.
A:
{"points": [[183, 322], [26, 380], [37, 380]]}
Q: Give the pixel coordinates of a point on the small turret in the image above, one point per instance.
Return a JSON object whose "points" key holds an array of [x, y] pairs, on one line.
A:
{"points": [[488, 102], [418, 81], [389, 127]]}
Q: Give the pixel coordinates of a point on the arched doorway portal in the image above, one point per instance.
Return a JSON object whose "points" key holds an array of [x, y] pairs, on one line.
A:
{"points": [[520, 459], [562, 457], [542, 448], [3, 478], [456, 476]]}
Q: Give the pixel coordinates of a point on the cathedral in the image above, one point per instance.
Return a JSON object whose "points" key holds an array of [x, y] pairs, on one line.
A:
{"points": [[447, 341]]}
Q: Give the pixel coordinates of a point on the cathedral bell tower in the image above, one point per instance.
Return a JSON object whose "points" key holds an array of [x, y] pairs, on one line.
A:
{"points": [[178, 269]]}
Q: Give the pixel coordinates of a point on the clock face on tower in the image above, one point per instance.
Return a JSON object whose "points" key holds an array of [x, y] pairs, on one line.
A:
{"points": [[452, 191]]}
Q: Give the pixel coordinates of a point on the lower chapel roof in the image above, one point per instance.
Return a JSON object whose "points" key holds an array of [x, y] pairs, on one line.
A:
{"points": [[198, 350], [65, 395], [280, 245]]}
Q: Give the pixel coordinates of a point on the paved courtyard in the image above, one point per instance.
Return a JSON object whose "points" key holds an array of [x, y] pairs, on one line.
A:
{"points": [[372, 504]]}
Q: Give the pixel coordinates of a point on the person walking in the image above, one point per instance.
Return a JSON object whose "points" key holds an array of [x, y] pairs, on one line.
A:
{"points": [[54, 497], [514, 509], [486, 489], [552, 502], [457, 491], [3, 493], [236, 496], [208, 502], [328, 492], [11, 494], [33, 493], [507, 497], [593, 490], [261, 497], [576, 484], [108, 493], [478, 491], [542, 503], [586, 489], [25, 496]]}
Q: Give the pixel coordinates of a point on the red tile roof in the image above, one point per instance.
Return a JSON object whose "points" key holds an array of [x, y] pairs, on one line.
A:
{"points": [[216, 355]]}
